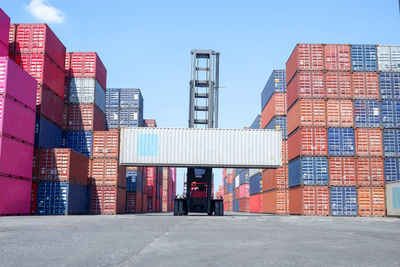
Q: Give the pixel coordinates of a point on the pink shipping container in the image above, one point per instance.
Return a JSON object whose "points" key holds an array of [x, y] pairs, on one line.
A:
{"points": [[338, 85], [15, 196], [3, 50], [244, 191], [16, 119], [15, 158], [15, 82], [4, 30]]}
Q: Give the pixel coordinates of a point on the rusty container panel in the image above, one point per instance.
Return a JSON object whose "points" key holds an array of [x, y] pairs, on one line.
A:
{"points": [[309, 200], [370, 171], [307, 141], [342, 171], [276, 202], [339, 113], [306, 112], [368, 142], [275, 178], [371, 201]]}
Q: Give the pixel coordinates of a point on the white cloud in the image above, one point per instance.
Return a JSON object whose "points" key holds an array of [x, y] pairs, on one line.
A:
{"points": [[44, 11]]}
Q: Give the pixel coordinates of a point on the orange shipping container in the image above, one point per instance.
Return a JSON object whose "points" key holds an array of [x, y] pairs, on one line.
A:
{"points": [[306, 112], [337, 57], [342, 171], [275, 178], [371, 201], [339, 113], [309, 200], [107, 200], [256, 203], [370, 171], [307, 141], [228, 206], [368, 142], [338, 85], [365, 85], [106, 144], [244, 205], [107, 172], [276, 106], [276, 202], [228, 197]]}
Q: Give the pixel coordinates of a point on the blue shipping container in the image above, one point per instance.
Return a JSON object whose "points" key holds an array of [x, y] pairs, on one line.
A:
{"points": [[344, 201], [363, 58], [392, 169], [236, 205], [255, 185], [341, 142], [80, 141], [390, 113], [244, 177], [62, 198], [279, 122], [391, 142], [47, 134], [112, 118], [276, 84], [389, 85], [130, 117], [229, 188], [367, 113], [233, 195], [112, 98], [134, 181], [256, 123], [131, 98], [308, 171]]}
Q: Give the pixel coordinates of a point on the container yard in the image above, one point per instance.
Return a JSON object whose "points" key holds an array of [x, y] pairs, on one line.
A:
{"points": [[312, 177]]}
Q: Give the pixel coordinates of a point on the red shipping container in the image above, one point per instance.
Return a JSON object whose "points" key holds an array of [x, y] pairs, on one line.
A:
{"points": [[309, 200], [370, 171], [65, 117], [275, 178], [339, 113], [338, 85], [228, 197], [149, 123], [305, 57], [228, 206], [107, 172], [284, 152], [15, 158], [150, 172], [34, 197], [276, 202], [244, 205], [131, 201], [276, 106], [106, 144], [365, 85], [107, 200], [308, 141], [306, 112], [237, 193], [371, 201], [44, 70], [39, 39], [342, 171], [16, 119], [63, 165], [35, 163], [337, 57], [86, 65], [50, 105], [256, 203], [144, 203], [305, 84], [244, 191], [11, 39], [4, 27], [85, 117], [15, 196], [18, 84], [368, 142]]}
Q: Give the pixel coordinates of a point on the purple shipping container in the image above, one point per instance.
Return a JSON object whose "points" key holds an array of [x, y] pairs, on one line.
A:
{"points": [[16, 119], [15, 196], [4, 28], [15, 82], [15, 158]]}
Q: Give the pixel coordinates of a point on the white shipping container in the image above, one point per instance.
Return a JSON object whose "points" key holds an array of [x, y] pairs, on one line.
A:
{"points": [[87, 91], [393, 198], [253, 172], [185, 147], [388, 58], [237, 181]]}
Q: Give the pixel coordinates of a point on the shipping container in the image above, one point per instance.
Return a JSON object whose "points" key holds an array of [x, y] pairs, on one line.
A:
{"points": [[244, 205], [4, 28], [85, 117], [390, 113], [305, 57], [131, 98], [278, 123], [130, 117], [87, 91], [275, 84], [80, 141], [134, 179], [106, 144], [107, 172], [275, 178], [308, 171], [149, 123], [255, 185], [389, 85], [339, 113], [255, 203], [107, 200], [256, 123], [305, 84], [112, 118], [235, 206], [134, 202], [363, 57], [342, 171], [309, 200], [337, 57], [341, 142], [244, 177], [370, 171], [368, 142], [367, 113], [388, 58], [47, 134], [112, 97], [308, 141], [15, 158], [391, 142], [344, 201], [371, 201], [62, 198], [306, 112], [15, 195], [338, 85], [63, 165], [276, 106], [229, 188], [392, 198], [276, 202], [35, 163], [365, 85], [34, 193], [213, 147], [244, 191], [49, 105], [392, 169]]}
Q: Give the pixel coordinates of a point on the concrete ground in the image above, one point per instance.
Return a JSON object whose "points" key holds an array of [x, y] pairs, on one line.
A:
{"points": [[236, 239]]}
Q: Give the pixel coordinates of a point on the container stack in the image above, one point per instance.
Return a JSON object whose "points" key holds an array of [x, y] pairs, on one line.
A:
{"points": [[255, 179], [134, 189], [241, 192], [168, 188], [4, 33], [275, 182], [228, 180]]}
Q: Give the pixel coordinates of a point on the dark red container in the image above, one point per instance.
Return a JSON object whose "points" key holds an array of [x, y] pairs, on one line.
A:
{"points": [[308, 141], [50, 105], [365, 85], [107, 172], [35, 163], [149, 123], [34, 197], [106, 144], [107, 200], [338, 85], [85, 117], [305, 84]]}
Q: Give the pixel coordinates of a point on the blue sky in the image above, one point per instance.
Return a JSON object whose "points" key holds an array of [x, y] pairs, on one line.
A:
{"points": [[146, 44]]}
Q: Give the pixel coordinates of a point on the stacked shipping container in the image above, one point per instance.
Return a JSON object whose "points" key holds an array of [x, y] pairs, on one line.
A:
{"points": [[228, 180], [255, 179], [241, 194]]}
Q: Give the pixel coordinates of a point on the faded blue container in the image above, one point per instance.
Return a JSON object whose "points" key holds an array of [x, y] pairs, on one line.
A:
{"points": [[391, 142], [341, 142], [62, 198], [279, 122], [308, 171], [47, 134], [389, 85], [392, 169], [112, 118], [390, 113], [130, 117], [344, 201], [363, 58], [112, 98], [255, 184], [229, 188], [367, 113], [236, 205], [244, 177], [256, 123], [233, 194], [80, 141], [131, 98], [276, 84], [134, 181]]}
